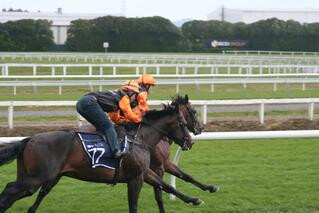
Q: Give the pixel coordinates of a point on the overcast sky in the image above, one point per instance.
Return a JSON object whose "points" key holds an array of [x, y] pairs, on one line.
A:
{"points": [[171, 9]]}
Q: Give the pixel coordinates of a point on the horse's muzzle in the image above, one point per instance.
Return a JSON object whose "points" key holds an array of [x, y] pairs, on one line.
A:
{"points": [[187, 145]]}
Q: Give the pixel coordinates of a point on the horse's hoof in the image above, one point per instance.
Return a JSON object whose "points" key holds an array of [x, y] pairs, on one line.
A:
{"points": [[198, 202], [213, 189]]}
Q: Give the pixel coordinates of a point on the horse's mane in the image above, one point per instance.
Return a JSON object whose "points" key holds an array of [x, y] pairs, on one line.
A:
{"points": [[178, 100], [168, 109], [157, 114]]}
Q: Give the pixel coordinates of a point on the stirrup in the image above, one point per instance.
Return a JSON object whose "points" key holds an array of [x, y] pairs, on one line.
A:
{"points": [[119, 154], [123, 151]]}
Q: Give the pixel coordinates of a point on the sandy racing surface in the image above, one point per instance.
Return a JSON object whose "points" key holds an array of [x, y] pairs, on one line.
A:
{"points": [[218, 125]]}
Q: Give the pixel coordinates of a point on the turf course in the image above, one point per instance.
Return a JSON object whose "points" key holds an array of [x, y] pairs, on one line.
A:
{"points": [[254, 176]]}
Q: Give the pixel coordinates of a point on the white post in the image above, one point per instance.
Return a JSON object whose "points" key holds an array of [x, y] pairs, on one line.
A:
{"points": [[10, 116], [303, 86], [144, 69], [91, 86], [114, 70], [177, 88], [60, 90], [173, 178], [261, 112], [6, 70], [311, 108], [212, 88], [204, 114], [64, 70], [52, 70], [90, 70], [34, 70]]}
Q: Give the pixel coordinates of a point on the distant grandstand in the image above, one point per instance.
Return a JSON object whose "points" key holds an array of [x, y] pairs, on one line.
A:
{"points": [[60, 21], [252, 15]]}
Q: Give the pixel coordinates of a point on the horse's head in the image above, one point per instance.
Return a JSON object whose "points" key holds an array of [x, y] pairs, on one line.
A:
{"points": [[189, 113], [171, 123], [179, 129]]}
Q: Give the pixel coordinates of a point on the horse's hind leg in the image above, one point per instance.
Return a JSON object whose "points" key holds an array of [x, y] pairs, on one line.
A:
{"points": [[174, 170], [153, 179], [16, 190], [45, 189]]}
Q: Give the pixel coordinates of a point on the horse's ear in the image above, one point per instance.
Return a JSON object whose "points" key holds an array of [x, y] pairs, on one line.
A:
{"points": [[186, 99]]}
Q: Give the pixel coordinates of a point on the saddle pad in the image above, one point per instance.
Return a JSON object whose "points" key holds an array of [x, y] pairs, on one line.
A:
{"points": [[98, 150]]}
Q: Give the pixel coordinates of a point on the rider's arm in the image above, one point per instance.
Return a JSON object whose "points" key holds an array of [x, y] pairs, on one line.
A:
{"points": [[124, 105], [142, 101], [116, 117], [137, 111]]}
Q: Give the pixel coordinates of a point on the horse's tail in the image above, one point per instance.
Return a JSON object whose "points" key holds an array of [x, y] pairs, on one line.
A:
{"points": [[10, 151]]}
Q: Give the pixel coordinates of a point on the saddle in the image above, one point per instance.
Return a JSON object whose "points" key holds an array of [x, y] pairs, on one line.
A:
{"points": [[99, 150]]}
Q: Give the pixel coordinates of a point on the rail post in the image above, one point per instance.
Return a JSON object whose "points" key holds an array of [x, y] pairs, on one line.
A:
{"points": [[261, 112], [10, 115], [311, 108]]}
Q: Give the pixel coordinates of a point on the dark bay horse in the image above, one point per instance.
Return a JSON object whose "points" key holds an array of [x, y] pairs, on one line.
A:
{"points": [[160, 156], [44, 158]]}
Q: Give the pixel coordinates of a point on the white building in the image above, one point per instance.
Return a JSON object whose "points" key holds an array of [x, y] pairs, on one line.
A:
{"points": [[250, 15], [60, 22]]}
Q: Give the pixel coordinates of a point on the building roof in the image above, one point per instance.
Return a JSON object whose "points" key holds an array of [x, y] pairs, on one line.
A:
{"points": [[57, 18], [253, 15]]}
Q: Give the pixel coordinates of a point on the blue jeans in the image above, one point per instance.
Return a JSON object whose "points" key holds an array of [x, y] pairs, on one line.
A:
{"points": [[89, 108]]}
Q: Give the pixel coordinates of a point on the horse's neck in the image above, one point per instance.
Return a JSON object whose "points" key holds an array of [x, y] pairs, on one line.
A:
{"points": [[153, 132]]}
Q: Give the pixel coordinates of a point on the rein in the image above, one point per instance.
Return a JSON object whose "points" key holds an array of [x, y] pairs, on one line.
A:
{"points": [[134, 142]]}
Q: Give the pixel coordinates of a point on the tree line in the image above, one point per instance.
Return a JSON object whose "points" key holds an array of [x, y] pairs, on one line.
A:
{"points": [[26, 35], [157, 34]]}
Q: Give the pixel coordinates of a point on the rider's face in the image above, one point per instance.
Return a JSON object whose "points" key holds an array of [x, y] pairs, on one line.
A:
{"points": [[133, 97], [149, 88]]}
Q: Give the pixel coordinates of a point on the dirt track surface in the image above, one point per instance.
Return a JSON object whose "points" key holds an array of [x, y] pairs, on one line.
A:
{"points": [[212, 126]]}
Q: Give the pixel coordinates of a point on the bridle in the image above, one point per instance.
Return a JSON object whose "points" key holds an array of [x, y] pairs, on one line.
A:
{"points": [[193, 128], [181, 123]]}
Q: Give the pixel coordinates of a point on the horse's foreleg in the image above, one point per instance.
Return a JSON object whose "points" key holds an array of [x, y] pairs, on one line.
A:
{"points": [[159, 199], [17, 190], [134, 188], [45, 189], [176, 171], [153, 179]]}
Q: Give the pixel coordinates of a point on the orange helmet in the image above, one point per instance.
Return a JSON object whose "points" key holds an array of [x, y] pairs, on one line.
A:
{"points": [[146, 79], [130, 85]]}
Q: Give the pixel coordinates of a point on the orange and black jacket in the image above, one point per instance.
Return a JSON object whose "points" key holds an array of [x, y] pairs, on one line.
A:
{"points": [[141, 102], [113, 101]]}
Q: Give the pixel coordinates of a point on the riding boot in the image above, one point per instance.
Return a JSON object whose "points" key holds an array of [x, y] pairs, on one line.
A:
{"points": [[111, 138]]}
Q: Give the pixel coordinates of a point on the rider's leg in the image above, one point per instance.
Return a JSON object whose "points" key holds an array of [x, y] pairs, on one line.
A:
{"points": [[88, 107]]}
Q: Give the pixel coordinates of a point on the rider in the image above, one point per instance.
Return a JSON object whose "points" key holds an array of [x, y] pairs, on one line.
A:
{"points": [[146, 82], [93, 105]]}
